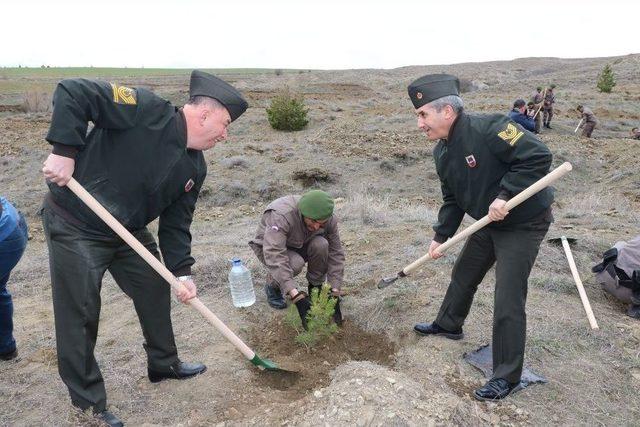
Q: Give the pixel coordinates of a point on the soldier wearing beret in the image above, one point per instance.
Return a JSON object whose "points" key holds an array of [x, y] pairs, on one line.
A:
{"points": [[537, 99], [547, 106], [482, 162], [142, 160], [294, 231]]}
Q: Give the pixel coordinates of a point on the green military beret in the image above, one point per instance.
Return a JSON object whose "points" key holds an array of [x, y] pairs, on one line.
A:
{"points": [[431, 87], [539, 88], [316, 205], [205, 84]]}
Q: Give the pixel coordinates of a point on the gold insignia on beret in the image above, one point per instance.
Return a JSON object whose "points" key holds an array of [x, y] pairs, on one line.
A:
{"points": [[123, 95], [419, 95], [511, 134]]}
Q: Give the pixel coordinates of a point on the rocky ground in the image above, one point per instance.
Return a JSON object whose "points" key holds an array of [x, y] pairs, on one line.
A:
{"points": [[362, 145]]}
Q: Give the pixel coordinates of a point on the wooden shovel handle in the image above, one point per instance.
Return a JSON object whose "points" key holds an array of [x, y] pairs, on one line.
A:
{"points": [[99, 210], [519, 198], [576, 278]]}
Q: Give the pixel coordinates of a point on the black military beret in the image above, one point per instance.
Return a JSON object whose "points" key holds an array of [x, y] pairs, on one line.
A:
{"points": [[431, 87], [205, 84]]}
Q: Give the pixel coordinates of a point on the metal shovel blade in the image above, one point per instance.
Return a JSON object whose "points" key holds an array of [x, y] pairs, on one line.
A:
{"points": [[383, 283]]}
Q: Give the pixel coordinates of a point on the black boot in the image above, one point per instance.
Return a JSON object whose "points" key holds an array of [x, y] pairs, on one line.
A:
{"points": [[435, 329], [109, 419], [549, 125], [496, 389], [634, 311], [274, 297], [9, 355], [178, 371]]}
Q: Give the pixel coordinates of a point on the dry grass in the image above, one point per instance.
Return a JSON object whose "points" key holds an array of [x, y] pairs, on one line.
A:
{"points": [[36, 102]]}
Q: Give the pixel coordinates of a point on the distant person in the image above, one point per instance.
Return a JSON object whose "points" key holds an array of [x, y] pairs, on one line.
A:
{"points": [[482, 162], [589, 121], [142, 160], [13, 241], [537, 99], [547, 106], [518, 114], [635, 133], [294, 231]]}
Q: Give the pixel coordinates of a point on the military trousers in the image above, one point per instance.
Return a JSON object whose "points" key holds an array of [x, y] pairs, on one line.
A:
{"points": [[547, 115], [314, 253], [588, 128], [514, 253], [78, 260]]}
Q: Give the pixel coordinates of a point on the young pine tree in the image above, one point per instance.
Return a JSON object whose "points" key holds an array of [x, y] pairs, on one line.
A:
{"points": [[606, 80]]}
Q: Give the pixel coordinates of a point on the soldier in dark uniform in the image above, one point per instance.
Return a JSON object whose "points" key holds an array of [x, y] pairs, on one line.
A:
{"points": [[482, 162], [142, 160]]}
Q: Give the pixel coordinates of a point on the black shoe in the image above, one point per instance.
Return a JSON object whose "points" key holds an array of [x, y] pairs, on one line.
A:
{"points": [[435, 329], [177, 371], [496, 389], [634, 311], [549, 126], [109, 419], [274, 297], [9, 355]]}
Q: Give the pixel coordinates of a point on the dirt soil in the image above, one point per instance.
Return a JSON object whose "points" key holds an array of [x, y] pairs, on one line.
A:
{"points": [[363, 147]]}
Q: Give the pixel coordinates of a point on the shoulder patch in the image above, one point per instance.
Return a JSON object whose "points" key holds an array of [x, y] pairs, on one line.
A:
{"points": [[511, 134], [123, 95]]}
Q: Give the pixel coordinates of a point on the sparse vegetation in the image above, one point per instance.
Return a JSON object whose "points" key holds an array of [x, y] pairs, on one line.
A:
{"points": [[287, 112], [36, 102]]}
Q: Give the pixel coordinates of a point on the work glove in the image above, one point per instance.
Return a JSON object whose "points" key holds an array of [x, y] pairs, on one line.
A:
{"points": [[303, 304]]}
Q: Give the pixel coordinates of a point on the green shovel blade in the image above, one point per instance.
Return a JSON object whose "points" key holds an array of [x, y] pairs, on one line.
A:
{"points": [[264, 363]]}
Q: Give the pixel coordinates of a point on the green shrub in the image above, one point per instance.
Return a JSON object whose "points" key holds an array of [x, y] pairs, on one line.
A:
{"points": [[287, 112], [606, 80], [320, 323]]}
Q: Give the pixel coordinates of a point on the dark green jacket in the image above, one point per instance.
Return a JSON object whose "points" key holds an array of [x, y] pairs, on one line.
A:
{"points": [[134, 161], [483, 158]]}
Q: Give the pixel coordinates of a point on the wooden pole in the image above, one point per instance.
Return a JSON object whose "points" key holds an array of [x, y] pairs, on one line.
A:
{"points": [[576, 278]]}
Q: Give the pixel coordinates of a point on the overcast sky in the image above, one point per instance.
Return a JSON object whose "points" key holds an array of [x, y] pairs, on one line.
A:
{"points": [[321, 34]]}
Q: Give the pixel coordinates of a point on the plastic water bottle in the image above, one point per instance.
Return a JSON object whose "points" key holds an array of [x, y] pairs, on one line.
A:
{"points": [[241, 284]]}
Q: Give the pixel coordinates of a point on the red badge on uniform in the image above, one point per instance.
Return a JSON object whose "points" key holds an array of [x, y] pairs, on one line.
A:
{"points": [[471, 161], [188, 186]]}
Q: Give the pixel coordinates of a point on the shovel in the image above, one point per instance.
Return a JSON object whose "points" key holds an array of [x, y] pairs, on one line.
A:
{"points": [[521, 197], [578, 127], [96, 207]]}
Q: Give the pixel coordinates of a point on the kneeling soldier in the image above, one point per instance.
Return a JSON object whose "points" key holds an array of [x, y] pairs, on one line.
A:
{"points": [[294, 231]]}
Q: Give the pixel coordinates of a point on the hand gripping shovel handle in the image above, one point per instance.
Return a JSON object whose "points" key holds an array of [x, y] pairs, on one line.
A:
{"points": [[518, 199], [576, 277], [97, 208]]}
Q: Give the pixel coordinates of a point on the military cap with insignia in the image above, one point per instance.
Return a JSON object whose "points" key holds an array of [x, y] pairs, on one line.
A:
{"points": [[205, 84], [431, 87]]}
